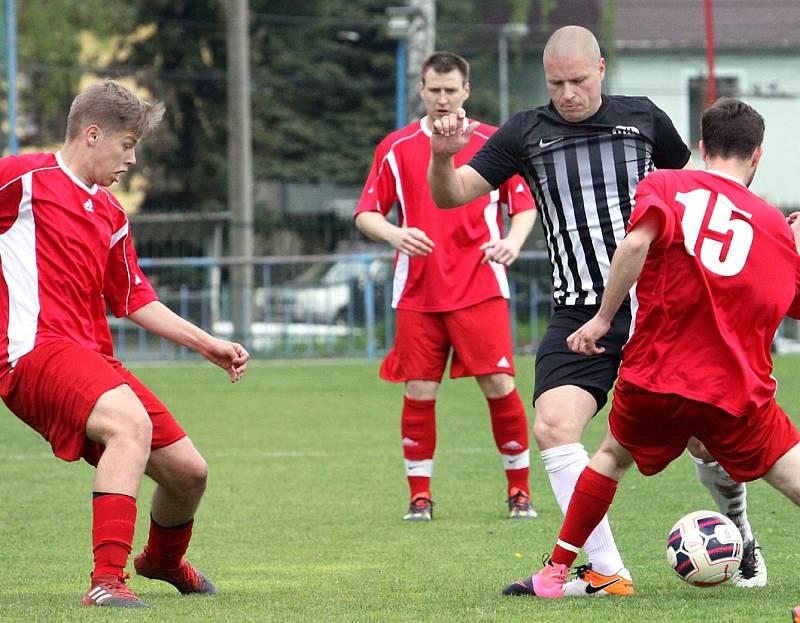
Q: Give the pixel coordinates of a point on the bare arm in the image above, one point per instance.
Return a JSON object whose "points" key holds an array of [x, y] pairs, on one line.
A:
{"points": [[408, 240], [794, 223], [160, 320], [451, 187], [626, 265], [506, 250]]}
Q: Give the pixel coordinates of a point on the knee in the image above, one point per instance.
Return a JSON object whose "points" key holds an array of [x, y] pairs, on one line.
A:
{"points": [[194, 474], [421, 390], [496, 385], [551, 430]]}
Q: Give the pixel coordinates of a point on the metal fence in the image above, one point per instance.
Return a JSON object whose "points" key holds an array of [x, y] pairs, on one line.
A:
{"points": [[310, 306]]}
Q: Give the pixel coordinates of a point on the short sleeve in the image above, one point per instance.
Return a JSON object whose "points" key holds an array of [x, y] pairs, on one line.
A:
{"points": [[794, 310], [125, 288], [649, 198], [670, 152], [498, 159], [380, 190], [515, 193]]}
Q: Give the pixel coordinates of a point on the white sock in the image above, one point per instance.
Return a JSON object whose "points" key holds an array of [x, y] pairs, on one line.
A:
{"points": [[730, 496], [563, 465]]}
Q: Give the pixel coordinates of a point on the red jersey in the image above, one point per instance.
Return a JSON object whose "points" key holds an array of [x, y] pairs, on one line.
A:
{"points": [[65, 251], [717, 281], [451, 276]]}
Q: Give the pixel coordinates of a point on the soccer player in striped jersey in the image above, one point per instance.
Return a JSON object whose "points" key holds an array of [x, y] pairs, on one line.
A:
{"points": [[66, 254], [583, 155], [718, 269], [450, 288]]}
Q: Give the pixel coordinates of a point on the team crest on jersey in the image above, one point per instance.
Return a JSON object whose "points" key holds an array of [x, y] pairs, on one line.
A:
{"points": [[87, 205], [625, 129]]}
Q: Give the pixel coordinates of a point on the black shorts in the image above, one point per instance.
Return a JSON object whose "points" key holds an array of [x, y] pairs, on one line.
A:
{"points": [[557, 365]]}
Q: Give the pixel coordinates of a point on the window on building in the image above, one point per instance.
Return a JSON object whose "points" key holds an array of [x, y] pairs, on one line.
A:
{"points": [[727, 86]]}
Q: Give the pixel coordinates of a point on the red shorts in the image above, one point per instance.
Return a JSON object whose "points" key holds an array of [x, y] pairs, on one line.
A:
{"points": [[480, 337], [54, 388], [655, 429]]}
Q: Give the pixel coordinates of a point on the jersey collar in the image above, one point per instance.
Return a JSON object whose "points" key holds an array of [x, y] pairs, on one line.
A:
{"points": [[74, 177], [726, 176]]}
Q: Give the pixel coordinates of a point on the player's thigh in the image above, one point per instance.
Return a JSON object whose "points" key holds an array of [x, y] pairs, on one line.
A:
{"points": [[54, 388], [746, 446], [784, 475], [166, 429], [421, 348], [481, 339], [650, 426]]}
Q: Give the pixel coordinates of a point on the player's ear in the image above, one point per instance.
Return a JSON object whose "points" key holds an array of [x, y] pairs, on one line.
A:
{"points": [[92, 135], [757, 155], [466, 91], [702, 147]]}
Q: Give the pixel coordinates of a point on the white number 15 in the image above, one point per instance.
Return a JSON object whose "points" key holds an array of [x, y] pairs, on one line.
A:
{"points": [[721, 222]]}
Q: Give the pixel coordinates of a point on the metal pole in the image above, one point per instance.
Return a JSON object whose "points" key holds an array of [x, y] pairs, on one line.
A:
{"points": [[711, 90], [11, 40], [502, 68], [240, 163], [401, 84]]}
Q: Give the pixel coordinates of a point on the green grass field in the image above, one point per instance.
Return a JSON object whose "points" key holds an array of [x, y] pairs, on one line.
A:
{"points": [[301, 520]]}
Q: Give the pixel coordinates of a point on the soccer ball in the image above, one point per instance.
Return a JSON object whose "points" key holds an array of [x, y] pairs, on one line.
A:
{"points": [[704, 548]]}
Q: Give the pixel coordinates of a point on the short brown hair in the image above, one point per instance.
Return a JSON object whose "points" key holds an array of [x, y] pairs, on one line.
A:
{"points": [[730, 128], [444, 63], [111, 106]]}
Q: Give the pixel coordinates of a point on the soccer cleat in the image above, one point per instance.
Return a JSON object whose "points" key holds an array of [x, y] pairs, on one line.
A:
{"points": [[520, 507], [112, 592], [590, 583], [549, 582], [420, 509], [185, 577], [753, 570]]}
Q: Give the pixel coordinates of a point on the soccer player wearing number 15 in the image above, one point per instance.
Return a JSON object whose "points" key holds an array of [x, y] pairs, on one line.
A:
{"points": [[718, 269]]}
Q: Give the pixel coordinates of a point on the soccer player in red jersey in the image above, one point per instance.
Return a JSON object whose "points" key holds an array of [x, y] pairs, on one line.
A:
{"points": [[65, 254], [718, 269], [449, 289]]}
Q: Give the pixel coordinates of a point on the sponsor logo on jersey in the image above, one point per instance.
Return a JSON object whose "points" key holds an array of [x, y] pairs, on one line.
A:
{"points": [[87, 205], [625, 129]]}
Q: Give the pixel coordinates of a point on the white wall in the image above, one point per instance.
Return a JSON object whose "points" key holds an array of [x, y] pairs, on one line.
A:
{"points": [[664, 78]]}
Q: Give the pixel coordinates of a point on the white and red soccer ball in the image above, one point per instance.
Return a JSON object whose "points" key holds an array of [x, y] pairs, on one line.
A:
{"points": [[704, 548]]}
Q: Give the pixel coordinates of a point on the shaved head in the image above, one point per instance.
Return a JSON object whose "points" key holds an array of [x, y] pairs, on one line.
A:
{"points": [[572, 41]]}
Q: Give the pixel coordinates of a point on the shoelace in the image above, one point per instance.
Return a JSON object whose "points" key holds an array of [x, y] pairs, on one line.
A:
{"points": [[119, 587], [519, 500], [189, 574], [580, 572], [421, 503], [747, 568]]}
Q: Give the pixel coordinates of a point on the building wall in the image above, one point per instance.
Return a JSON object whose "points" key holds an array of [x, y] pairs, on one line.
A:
{"points": [[770, 82]]}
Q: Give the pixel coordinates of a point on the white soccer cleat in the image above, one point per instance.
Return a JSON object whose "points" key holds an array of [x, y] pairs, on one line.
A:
{"points": [[752, 572]]}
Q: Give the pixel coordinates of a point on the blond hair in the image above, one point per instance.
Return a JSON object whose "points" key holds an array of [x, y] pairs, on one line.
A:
{"points": [[112, 107]]}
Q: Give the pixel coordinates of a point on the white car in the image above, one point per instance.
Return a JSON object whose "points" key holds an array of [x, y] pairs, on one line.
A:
{"points": [[329, 298]]}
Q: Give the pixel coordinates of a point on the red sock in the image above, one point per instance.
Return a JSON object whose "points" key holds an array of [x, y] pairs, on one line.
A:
{"points": [[589, 503], [418, 428], [510, 430], [166, 546], [113, 525]]}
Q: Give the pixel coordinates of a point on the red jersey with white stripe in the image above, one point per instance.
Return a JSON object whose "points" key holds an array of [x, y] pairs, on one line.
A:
{"points": [[451, 276], [717, 281], [65, 251]]}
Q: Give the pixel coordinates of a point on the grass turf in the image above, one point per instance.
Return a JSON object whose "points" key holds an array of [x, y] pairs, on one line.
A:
{"points": [[301, 520]]}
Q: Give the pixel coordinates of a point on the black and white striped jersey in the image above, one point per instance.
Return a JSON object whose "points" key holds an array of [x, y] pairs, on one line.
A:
{"points": [[583, 177]]}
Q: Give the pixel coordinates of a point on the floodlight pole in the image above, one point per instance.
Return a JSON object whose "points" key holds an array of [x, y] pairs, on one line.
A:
{"points": [[240, 168]]}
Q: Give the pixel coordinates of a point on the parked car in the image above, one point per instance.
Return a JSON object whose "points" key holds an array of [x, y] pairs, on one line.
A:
{"points": [[323, 294]]}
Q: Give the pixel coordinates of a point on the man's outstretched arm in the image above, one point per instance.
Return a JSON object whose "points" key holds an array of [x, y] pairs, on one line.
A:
{"points": [[626, 265], [160, 320]]}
